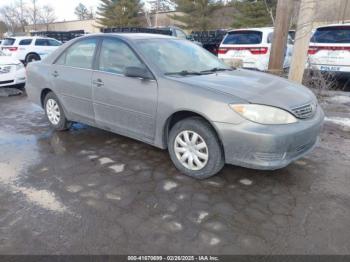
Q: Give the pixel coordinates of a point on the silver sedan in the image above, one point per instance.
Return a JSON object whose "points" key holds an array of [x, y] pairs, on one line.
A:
{"points": [[175, 95]]}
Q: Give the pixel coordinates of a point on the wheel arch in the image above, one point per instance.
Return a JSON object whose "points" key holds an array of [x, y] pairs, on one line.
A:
{"points": [[32, 53], [43, 94], [181, 115]]}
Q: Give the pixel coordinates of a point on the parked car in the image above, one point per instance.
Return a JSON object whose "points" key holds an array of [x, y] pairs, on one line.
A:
{"points": [[330, 49], [28, 49], [174, 94], [12, 72], [252, 47]]}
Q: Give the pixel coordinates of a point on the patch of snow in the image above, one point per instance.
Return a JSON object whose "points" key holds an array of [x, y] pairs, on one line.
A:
{"points": [[74, 188], [340, 99], [174, 226], [169, 185], [214, 241], [92, 156], [345, 122], [105, 160], [117, 168], [246, 182], [113, 197], [201, 216]]}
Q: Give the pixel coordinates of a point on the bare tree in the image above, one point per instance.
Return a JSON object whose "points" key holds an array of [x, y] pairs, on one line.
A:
{"points": [[47, 15], [34, 13], [83, 13], [15, 16]]}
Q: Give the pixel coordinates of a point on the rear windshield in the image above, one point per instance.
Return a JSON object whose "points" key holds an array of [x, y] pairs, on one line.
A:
{"points": [[8, 41], [333, 35], [243, 38]]}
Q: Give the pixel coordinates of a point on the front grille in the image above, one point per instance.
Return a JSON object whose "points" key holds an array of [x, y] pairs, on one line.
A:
{"points": [[305, 111], [5, 69]]}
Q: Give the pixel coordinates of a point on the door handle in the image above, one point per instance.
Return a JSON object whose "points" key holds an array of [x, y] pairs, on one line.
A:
{"points": [[98, 82], [55, 74]]}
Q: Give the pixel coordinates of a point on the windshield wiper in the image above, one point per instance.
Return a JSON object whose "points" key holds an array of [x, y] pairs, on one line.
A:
{"points": [[184, 73], [216, 69]]}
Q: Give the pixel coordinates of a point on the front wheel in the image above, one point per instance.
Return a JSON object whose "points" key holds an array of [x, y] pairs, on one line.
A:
{"points": [[195, 148], [55, 114]]}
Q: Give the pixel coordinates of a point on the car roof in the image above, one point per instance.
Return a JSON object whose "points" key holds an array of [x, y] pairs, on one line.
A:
{"points": [[28, 37], [261, 29], [135, 36], [333, 25]]}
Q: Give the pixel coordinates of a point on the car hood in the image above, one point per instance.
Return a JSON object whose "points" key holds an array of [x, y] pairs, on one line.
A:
{"points": [[7, 60], [254, 87]]}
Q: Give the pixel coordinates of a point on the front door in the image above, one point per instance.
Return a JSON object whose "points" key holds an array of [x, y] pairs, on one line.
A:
{"points": [[123, 104]]}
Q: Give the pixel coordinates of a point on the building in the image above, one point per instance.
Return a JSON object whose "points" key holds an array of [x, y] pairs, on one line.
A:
{"points": [[89, 26]]}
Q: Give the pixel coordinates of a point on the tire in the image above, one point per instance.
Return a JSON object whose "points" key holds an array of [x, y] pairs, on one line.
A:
{"points": [[31, 58], [52, 106], [198, 131]]}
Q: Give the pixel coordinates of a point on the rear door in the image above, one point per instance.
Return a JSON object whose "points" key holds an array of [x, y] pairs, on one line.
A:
{"points": [[72, 75], [123, 104], [330, 49]]}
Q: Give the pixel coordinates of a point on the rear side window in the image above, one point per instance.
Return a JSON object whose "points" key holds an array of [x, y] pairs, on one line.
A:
{"points": [[25, 42], [243, 38], [333, 35], [8, 41], [80, 54]]}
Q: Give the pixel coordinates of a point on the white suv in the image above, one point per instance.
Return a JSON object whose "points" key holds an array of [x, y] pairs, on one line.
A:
{"points": [[28, 49], [252, 47], [330, 49]]}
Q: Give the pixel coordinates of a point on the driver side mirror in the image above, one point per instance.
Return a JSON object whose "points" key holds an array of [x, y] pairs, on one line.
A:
{"points": [[140, 72]]}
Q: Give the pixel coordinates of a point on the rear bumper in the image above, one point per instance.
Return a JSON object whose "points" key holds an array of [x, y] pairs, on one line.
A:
{"points": [[15, 78], [265, 147]]}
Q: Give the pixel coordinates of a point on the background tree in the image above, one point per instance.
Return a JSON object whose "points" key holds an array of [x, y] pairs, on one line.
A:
{"points": [[118, 13], [47, 16], [197, 13], [83, 13], [254, 13], [3, 28]]}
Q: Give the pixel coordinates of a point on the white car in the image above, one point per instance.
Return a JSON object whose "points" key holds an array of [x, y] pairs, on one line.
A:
{"points": [[28, 49], [12, 71], [330, 49], [252, 47]]}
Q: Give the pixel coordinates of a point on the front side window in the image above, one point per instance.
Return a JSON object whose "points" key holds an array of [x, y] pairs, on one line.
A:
{"points": [[180, 34], [243, 38], [176, 55], [41, 42], [115, 56], [25, 42], [53, 42], [80, 54]]}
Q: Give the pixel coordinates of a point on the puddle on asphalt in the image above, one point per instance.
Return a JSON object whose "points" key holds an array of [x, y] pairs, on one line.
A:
{"points": [[22, 152]]}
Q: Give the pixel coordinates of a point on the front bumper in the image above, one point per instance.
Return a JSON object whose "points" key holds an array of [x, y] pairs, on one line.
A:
{"points": [[269, 147], [13, 78]]}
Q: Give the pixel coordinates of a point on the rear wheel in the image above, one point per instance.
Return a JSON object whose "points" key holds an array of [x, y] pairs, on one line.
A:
{"points": [[54, 113], [195, 149], [32, 58]]}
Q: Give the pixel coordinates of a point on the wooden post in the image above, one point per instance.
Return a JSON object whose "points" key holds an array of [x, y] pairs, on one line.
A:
{"points": [[280, 35], [302, 39]]}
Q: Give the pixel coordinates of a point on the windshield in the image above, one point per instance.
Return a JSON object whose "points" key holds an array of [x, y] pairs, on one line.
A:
{"points": [[336, 34], [175, 55]]}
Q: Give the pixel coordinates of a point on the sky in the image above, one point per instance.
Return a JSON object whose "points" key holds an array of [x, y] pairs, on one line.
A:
{"points": [[64, 9]]}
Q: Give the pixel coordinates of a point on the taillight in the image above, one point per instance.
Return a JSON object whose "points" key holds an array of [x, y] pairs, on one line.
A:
{"points": [[12, 49], [253, 50], [314, 49], [222, 51], [259, 50]]}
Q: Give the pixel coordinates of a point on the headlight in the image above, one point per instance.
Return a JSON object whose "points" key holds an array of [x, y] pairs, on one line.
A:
{"points": [[19, 66], [261, 114]]}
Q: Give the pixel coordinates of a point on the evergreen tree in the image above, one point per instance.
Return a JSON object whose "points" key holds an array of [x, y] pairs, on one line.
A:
{"points": [[197, 13], [254, 13], [119, 13]]}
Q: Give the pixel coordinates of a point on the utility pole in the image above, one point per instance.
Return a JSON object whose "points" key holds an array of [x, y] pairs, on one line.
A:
{"points": [[346, 3], [280, 36], [302, 39]]}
